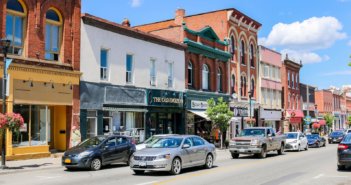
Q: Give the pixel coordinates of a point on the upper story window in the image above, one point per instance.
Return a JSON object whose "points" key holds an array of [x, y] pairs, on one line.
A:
{"points": [[288, 78], [242, 52], [170, 75], [252, 51], [289, 101], [103, 64], [266, 71], [190, 74], [292, 81], [219, 80], [232, 46], [129, 68], [205, 77], [297, 83], [153, 72], [232, 83], [253, 87], [15, 18], [53, 35], [243, 86]]}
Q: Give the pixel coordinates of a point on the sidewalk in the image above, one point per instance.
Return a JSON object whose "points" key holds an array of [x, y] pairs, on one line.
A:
{"points": [[32, 164]]}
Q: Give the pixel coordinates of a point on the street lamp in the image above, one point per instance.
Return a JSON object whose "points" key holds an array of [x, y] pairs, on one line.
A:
{"points": [[4, 45], [251, 93]]}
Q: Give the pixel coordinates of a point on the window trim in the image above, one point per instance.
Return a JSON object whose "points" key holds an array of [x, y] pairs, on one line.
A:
{"points": [[170, 77], [219, 80], [153, 79], [131, 82], [60, 36], [208, 77], [190, 68], [107, 65]]}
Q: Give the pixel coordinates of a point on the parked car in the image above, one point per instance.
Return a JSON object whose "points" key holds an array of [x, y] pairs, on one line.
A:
{"points": [[151, 140], [336, 137], [258, 141], [98, 151], [296, 141], [174, 153], [344, 153], [348, 131], [314, 140]]}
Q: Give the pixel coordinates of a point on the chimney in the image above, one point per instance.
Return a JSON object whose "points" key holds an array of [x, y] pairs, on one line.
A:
{"points": [[126, 22], [179, 16]]}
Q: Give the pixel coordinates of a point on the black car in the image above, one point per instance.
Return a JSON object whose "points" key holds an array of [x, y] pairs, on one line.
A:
{"points": [[98, 151], [314, 140], [336, 137], [344, 152]]}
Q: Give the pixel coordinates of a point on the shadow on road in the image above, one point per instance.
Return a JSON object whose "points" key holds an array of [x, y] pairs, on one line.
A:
{"points": [[165, 174], [107, 167], [28, 166]]}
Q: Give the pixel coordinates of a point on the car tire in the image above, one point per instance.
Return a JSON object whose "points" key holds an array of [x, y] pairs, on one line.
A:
{"points": [[299, 148], [176, 166], [306, 148], [318, 145], [128, 161], [69, 169], [235, 156], [95, 164], [281, 150], [209, 161], [139, 172], [341, 167], [263, 153]]}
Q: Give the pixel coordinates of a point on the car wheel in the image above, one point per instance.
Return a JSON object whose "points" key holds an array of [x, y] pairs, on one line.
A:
{"points": [[69, 169], [95, 164], [209, 161], [318, 145], [139, 172], [176, 166], [306, 147], [281, 150], [263, 153], [235, 156], [341, 167], [299, 148], [128, 161]]}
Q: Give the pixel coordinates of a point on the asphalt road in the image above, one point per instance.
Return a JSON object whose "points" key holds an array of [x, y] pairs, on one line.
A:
{"points": [[315, 166]]}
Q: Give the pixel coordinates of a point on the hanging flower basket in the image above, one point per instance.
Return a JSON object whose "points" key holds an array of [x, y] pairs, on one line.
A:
{"points": [[12, 121], [250, 120], [316, 125]]}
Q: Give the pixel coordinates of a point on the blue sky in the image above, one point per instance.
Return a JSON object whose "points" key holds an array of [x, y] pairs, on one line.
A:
{"points": [[316, 31]]}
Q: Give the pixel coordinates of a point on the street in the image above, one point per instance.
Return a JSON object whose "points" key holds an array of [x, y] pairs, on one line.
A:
{"points": [[315, 166]]}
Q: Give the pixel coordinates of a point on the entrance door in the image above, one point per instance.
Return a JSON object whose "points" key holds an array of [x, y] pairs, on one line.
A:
{"points": [[107, 126], [91, 127]]}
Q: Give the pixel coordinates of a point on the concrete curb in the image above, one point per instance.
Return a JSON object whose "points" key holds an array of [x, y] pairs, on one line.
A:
{"points": [[6, 172]]}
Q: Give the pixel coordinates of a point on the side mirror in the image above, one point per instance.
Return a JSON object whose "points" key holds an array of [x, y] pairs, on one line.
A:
{"points": [[185, 146]]}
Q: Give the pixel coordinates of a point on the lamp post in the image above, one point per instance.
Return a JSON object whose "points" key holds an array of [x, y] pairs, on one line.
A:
{"points": [[250, 97], [4, 45]]}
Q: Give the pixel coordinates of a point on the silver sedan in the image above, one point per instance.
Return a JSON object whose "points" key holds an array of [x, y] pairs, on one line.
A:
{"points": [[173, 154]]}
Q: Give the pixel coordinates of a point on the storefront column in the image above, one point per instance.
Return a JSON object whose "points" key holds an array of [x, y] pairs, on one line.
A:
{"points": [[100, 119], [83, 124], [9, 108]]}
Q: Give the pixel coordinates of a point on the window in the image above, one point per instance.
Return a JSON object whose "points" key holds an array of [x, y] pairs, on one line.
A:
{"points": [[111, 142], [205, 77], [264, 98], [292, 81], [273, 73], [15, 17], [170, 75], [271, 96], [266, 71], [243, 86], [198, 141], [253, 87], [219, 80], [232, 46], [289, 101], [242, 52], [288, 78], [252, 61], [129, 68], [190, 74], [122, 140], [297, 83], [153, 72], [233, 83], [103, 64], [52, 35]]}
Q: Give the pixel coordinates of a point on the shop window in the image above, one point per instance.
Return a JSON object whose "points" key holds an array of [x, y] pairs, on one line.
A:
{"points": [[103, 64], [129, 124], [205, 77], [190, 74], [15, 23], [219, 80], [129, 68], [53, 35]]}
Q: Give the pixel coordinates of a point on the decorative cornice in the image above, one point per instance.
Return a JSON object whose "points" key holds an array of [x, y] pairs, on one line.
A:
{"points": [[207, 51], [202, 32]]}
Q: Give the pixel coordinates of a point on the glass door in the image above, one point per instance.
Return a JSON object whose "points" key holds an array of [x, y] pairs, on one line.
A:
{"points": [[91, 127]]}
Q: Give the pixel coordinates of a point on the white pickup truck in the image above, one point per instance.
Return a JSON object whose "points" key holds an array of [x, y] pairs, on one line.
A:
{"points": [[257, 141]]}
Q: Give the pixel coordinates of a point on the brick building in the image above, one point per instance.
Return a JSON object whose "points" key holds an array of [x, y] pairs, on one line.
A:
{"points": [[44, 74], [241, 32], [292, 104]]}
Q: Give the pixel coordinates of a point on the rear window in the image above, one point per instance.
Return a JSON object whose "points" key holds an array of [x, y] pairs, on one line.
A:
{"points": [[336, 134], [347, 139]]}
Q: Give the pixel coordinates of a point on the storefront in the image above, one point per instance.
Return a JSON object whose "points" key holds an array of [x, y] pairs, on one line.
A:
{"points": [[197, 121], [238, 120], [107, 109], [165, 112], [295, 120], [271, 118]]}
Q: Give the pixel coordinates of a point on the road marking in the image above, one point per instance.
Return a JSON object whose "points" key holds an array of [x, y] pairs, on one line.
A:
{"points": [[319, 176], [145, 183]]}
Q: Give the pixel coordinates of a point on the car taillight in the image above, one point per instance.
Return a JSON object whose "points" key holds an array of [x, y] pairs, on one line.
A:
{"points": [[342, 147]]}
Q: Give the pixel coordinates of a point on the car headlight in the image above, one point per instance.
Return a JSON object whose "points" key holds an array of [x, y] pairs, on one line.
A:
{"points": [[294, 141], [255, 142], [166, 156], [84, 154]]}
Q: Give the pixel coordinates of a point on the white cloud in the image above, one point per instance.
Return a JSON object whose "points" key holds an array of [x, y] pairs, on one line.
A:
{"points": [[338, 73], [136, 3], [305, 56], [311, 34]]}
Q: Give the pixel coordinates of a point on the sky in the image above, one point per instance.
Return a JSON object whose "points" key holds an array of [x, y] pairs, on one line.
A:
{"points": [[317, 32]]}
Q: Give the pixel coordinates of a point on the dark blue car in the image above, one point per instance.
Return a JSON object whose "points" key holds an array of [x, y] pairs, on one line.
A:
{"points": [[344, 152], [93, 153], [314, 140]]}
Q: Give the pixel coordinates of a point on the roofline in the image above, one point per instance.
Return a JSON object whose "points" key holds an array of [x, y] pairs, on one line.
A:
{"points": [[129, 31], [269, 49]]}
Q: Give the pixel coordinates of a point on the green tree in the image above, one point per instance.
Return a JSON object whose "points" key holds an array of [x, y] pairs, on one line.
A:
{"points": [[349, 121], [220, 114], [329, 119]]}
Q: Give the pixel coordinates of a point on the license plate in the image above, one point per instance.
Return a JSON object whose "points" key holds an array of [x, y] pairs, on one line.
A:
{"points": [[68, 161], [241, 150], [142, 164], [334, 139]]}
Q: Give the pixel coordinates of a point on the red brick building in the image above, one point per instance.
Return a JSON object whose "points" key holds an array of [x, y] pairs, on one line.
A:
{"points": [[292, 100], [44, 73], [240, 31], [324, 102]]}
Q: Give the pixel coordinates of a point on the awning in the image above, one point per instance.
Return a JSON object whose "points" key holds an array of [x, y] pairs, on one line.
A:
{"points": [[294, 113], [200, 113]]}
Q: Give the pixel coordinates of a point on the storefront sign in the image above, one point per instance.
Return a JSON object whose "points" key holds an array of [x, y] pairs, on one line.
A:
{"points": [[270, 115], [239, 111], [199, 105], [165, 98]]}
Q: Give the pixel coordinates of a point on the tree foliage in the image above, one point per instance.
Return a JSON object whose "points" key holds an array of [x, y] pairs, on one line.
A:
{"points": [[329, 119], [349, 120], [219, 113]]}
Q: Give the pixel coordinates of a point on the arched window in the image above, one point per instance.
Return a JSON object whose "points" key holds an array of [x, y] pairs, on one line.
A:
{"points": [[292, 81], [242, 52], [289, 101], [233, 83], [219, 80], [205, 77], [190, 74], [252, 87], [252, 61], [53, 35], [232, 46], [293, 102], [289, 79], [15, 16], [297, 82], [243, 86]]}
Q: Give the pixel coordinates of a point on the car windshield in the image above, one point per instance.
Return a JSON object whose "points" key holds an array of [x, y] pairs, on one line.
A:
{"points": [[347, 139], [91, 142], [167, 143], [312, 136], [252, 132], [152, 139], [348, 131], [291, 136], [336, 134]]}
